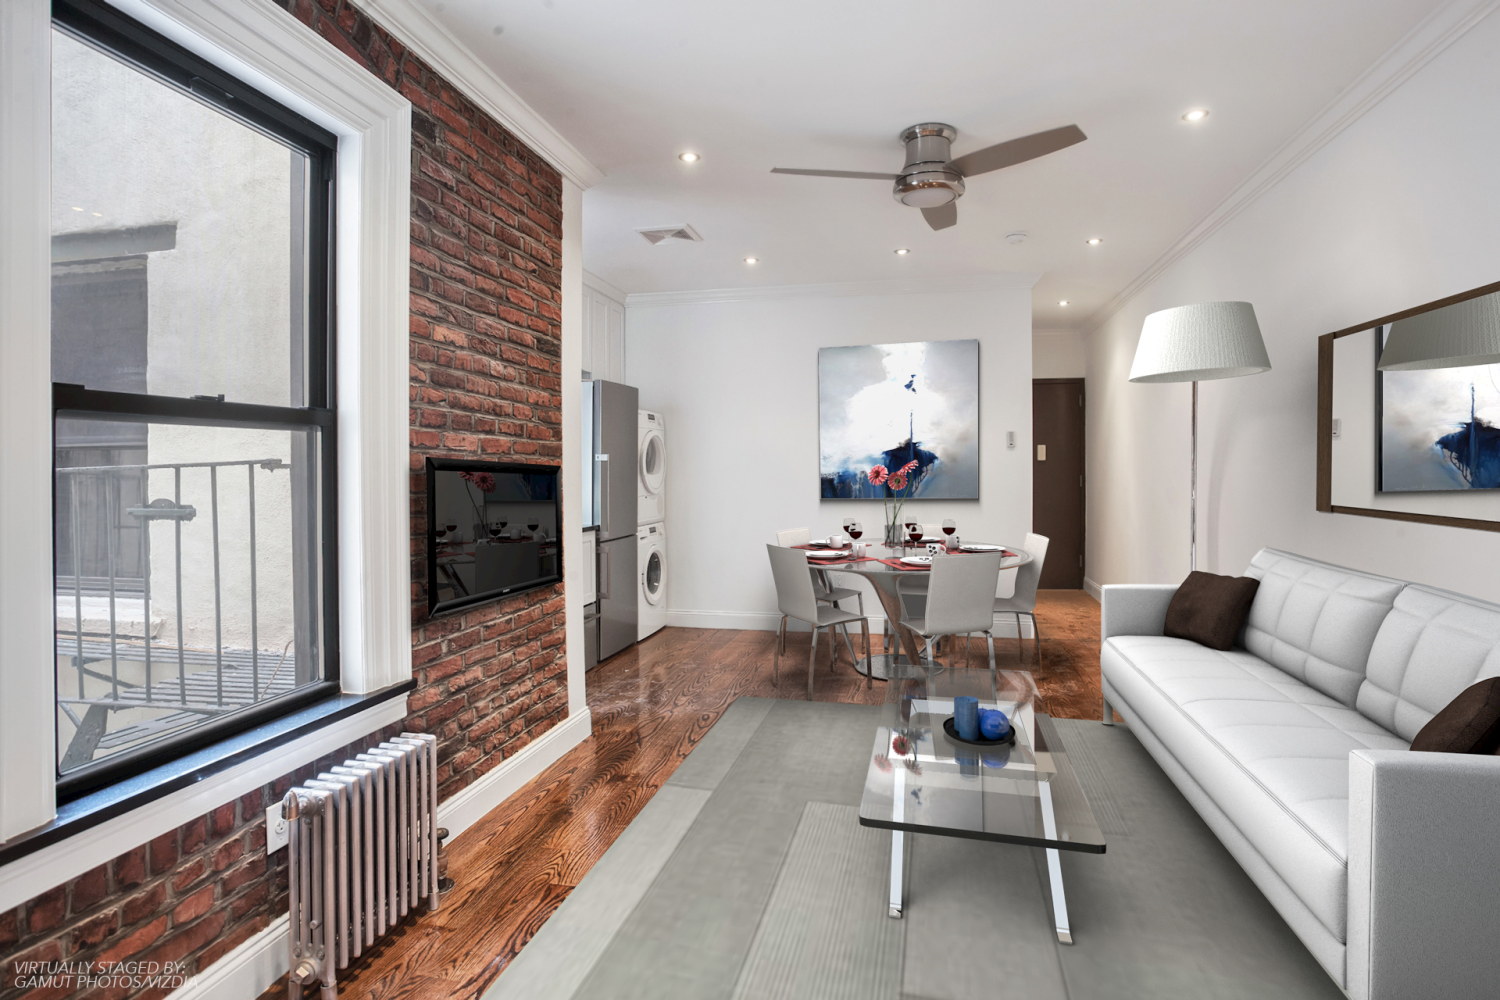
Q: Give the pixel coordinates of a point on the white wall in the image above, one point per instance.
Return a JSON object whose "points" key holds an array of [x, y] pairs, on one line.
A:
{"points": [[1399, 209], [1058, 354], [737, 384]]}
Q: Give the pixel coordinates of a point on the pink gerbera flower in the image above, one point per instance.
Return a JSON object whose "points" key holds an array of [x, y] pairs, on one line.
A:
{"points": [[906, 469], [483, 480], [897, 481], [877, 474]]}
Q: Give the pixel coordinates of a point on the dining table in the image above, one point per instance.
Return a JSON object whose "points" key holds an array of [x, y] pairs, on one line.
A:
{"points": [[882, 566]]}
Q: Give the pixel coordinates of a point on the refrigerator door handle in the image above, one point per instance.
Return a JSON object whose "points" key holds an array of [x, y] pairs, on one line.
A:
{"points": [[603, 592], [603, 481]]}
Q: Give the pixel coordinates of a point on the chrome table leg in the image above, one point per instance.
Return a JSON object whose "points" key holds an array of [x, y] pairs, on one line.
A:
{"points": [[1054, 867]]}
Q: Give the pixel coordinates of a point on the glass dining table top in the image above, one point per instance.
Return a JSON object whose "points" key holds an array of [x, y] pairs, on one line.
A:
{"points": [[922, 780]]}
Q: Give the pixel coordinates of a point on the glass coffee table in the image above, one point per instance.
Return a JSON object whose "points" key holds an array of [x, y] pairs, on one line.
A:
{"points": [[921, 780]]}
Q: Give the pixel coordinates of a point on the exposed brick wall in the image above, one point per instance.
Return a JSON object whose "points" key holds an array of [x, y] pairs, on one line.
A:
{"points": [[485, 383]]}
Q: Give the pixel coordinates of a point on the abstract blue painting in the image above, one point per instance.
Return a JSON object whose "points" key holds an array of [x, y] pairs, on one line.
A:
{"points": [[890, 404], [1438, 428]]}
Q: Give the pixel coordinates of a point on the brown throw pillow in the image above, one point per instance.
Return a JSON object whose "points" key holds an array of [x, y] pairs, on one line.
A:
{"points": [[1209, 609], [1469, 724]]}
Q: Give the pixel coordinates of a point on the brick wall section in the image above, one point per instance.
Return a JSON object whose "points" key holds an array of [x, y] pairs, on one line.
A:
{"points": [[485, 383]]}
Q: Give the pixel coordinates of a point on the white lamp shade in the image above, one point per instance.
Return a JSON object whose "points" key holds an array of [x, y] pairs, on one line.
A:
{"points": [[1200, 342], [1465, 333]]}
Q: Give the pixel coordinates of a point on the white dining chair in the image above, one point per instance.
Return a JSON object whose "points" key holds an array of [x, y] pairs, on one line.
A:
{"points": [[1023, 600], [823, 588], [960, 601], [795, 599]]}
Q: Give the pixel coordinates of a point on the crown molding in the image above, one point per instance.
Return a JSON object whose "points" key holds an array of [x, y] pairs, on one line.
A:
{"points": [[1416, 49], [440, 48], [598, 284], [840, 289]]}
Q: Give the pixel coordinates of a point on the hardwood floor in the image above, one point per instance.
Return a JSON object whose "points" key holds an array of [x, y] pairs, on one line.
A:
{"points": [[651, 705]]}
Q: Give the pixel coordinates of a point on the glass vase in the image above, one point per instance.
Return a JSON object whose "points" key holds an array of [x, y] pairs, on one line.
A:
{"points": [[893, 535]]}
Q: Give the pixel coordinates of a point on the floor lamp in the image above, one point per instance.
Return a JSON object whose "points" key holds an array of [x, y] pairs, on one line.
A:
{"points": [[1193, 344]]}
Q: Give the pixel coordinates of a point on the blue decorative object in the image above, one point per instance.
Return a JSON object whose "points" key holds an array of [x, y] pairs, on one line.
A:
{"points": [[993, 723], [966, 717]]}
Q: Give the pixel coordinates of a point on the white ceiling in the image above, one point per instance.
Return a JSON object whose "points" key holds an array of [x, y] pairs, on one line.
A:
{"points": [[802, 83]]}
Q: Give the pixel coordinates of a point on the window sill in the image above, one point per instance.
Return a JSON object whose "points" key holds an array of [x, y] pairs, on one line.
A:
{"points": [[188, 787]]}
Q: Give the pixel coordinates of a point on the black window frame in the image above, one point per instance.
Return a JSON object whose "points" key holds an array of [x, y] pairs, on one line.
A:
{"points": [[102, 27]]}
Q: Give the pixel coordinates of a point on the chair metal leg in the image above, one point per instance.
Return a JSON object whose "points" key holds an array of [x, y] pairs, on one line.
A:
{"points": [[812, 656], [1020, 642], [989, 639], [1054, 867], [1036, 632], [780, 648], [864, 626]]}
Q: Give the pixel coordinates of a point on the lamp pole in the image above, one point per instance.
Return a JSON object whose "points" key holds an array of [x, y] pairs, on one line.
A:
{"points": [[1193, 491]]}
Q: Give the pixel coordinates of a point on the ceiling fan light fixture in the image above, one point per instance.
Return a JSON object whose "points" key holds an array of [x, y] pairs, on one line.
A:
{"points": [[1195, 115], [928, 188]]}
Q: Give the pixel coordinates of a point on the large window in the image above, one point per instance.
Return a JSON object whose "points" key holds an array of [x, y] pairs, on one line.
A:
{"points": [[192, 395]]}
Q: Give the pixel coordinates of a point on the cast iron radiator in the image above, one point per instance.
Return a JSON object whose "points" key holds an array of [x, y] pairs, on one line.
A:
{"points": [[362, 854]]}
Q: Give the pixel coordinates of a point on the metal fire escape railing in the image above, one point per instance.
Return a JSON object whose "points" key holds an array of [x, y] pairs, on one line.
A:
{"points": [[236, 680]]}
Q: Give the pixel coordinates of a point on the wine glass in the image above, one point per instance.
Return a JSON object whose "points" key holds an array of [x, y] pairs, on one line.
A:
{"points": [[949, 527], [439, 533], [854, 528], [453, 530], [915, 532], [532, 524], [495, 530]]}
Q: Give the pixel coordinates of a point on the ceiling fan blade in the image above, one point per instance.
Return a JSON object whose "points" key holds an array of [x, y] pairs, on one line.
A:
{"points": [[1006, 154], [943, 216], [856, 174]]}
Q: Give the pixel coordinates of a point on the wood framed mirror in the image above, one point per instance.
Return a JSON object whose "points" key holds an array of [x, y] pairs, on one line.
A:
{"points": [[1418, 446]]}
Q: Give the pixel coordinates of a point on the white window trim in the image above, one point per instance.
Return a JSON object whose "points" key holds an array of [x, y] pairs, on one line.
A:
{"points": [[266, 47]]}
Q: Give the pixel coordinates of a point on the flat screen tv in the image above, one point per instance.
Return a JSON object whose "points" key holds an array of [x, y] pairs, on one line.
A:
{"points": [[492, 531]]}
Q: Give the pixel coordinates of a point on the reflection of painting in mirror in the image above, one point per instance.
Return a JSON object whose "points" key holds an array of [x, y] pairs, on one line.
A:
{"points": [[1439, 428]]}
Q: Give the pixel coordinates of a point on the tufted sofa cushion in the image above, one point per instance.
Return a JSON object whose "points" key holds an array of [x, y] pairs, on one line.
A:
{"points": [[1271, 752], [1433, 645], [1317, 622]]}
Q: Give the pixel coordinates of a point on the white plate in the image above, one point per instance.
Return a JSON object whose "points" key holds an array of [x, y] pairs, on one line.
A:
{"points": [[983, 548], [829, 554], [917, 560]]}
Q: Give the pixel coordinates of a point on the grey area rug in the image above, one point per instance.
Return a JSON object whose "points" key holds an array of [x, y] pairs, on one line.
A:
{"points": [[748, 877]]}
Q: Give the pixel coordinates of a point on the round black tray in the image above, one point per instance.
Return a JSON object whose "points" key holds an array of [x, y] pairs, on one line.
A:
{"points": [[951, 732]]}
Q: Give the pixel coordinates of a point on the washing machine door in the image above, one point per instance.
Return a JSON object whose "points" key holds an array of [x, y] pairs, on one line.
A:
{"points": [[653, 462], [653, 577]]}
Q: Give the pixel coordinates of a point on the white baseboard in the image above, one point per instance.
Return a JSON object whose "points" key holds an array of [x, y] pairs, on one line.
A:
{"points": [[247, 971], [769, 621], [250, 969], [1093, 589], [466, 808]]}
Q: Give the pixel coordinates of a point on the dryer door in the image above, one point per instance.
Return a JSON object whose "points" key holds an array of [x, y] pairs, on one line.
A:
{"points": [[653, 577], [653, 461]]}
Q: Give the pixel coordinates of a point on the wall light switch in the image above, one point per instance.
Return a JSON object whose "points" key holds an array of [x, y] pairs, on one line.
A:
{"points": [[1336, 427], [1041, 453], [1010, 439], [277, 831]]}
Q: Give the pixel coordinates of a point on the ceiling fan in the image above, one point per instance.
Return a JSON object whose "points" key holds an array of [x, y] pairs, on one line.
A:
{"points": [[933, 181]]}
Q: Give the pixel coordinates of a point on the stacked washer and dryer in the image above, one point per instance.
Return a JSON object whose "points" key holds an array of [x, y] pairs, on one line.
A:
{"points": [[651, 537]]}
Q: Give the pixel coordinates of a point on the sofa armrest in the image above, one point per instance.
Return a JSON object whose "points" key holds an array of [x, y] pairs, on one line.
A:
{"points": [[1424, 875], [1134, 608]]}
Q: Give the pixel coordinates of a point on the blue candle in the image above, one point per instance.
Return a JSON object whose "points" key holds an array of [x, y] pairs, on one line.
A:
{"points": [[966, 717]]}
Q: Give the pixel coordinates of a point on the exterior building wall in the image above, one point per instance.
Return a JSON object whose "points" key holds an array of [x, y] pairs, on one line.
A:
{"points": [[485, 383]]}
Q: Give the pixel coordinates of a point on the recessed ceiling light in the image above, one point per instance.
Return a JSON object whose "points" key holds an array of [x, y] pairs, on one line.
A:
{"points": [[77, 209], [752, 260], [902, 252], [1195, 115], [1062, 302], [688, 157], [97, 215], [1095, 241]]}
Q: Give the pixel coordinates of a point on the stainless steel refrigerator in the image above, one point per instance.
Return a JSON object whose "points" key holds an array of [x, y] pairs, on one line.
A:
{"points": [[611, 437]]}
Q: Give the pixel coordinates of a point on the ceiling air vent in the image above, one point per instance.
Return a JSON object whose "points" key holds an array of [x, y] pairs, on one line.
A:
{"points": [[661, 234]]}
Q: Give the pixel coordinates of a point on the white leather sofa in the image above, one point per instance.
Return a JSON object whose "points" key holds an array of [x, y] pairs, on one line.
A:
{"points": [[1293, 748]]}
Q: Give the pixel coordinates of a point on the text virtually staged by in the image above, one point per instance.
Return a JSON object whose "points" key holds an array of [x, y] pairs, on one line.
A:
{"points": [[508, 501]]}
